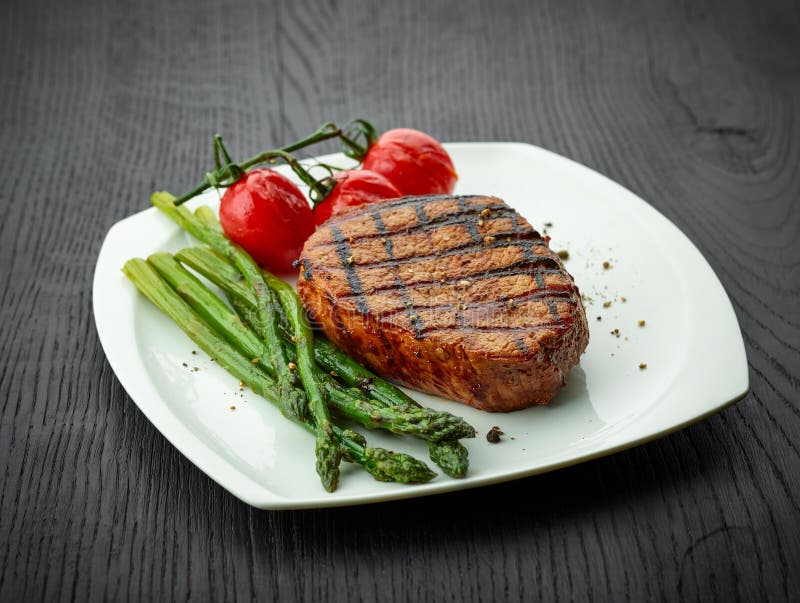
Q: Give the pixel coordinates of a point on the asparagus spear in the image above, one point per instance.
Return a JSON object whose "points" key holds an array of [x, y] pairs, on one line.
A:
{"points": [[328, 453], [382, 464], [265, 323], [351, 403], [303, 342], [451, 455]]}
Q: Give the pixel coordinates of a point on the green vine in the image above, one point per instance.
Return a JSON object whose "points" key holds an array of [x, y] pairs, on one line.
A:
{"points": [[356, 137]]}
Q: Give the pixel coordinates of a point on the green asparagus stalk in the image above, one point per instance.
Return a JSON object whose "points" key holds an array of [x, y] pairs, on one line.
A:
{"points": [[384, 465], [328, 453], [450, 455], [306, 367], [265, 321], [211, 309], [421, 422], [227, 323]]}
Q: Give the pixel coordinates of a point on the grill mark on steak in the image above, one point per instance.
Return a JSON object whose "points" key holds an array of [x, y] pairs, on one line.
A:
{"points": [[472, 228], [533, 262], [451, 218], [499, 271], [542, 295], [353, 281], [422, 216], [497, 328], [411, 201], [470, 246], [527, 250], [462, 206], [416, 321], [457, 214], [476, 240]]}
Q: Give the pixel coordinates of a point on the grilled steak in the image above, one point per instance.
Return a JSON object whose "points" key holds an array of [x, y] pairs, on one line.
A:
{"points": [[456, 296]]}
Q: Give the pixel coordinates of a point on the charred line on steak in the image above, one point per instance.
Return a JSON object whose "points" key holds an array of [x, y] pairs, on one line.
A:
{"points": [[498, 271], [538, 294], [472, 227], [422, 215], [416, 321], [470, 246], [412, 201], [528, 252], [558, 326], [453, 218], [353, 281]]}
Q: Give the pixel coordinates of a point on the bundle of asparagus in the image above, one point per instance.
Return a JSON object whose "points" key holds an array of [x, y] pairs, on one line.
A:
{"points": [[265, 342]]}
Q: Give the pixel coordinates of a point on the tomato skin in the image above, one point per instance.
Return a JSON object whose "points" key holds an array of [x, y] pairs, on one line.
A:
{"points": [[414, 161], [354, 187], [268, 216]]}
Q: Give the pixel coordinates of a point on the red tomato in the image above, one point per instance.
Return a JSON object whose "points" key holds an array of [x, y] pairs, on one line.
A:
{"points": [[268, 216], [415, 162], [354, 187]]}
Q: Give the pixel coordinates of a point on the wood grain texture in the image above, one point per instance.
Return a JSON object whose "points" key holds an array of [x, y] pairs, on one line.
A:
{"points": [[693, 105]]}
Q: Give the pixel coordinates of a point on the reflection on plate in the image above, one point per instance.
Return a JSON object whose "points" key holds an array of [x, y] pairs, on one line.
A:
{"points": [[629, 261]]}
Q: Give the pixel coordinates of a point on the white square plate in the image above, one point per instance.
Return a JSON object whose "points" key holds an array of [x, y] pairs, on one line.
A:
{"points": [[691, 345]]}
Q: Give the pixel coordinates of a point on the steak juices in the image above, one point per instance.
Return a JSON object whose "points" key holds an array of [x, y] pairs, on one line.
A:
{"points": [[453, 295]]}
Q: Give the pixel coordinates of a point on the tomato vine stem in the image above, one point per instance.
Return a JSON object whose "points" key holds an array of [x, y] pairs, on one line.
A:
{"points": [[227, 171]]}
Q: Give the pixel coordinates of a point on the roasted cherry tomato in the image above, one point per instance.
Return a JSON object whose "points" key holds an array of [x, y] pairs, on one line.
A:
{"points": [[269, 217], [354, 187], [415, 162]]}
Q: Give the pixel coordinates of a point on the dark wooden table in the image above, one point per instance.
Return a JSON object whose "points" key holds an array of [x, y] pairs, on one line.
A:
{"points": [[693, 105]]}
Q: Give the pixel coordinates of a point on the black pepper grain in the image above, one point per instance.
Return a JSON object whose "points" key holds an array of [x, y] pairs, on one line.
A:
{"points": [[493, 435]]}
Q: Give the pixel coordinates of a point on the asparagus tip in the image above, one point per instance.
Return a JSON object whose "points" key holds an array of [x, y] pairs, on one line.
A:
{"points": [[329, 455], [451, 456], [388, 466]]}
